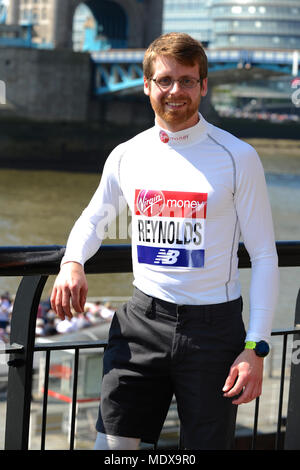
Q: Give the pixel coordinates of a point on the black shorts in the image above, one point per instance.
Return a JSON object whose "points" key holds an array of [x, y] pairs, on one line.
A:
{"points": [[157, 349]]}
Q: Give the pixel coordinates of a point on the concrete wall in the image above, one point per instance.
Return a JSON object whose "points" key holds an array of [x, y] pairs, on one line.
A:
{"points": [[122, 111], [56, 85], [45, 84]]}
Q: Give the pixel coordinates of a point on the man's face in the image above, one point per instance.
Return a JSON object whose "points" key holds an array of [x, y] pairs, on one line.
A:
{"points": [[175, 108]]}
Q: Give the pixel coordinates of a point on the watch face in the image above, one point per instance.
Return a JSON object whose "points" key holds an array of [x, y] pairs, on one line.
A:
{"points": [[262, 348]]}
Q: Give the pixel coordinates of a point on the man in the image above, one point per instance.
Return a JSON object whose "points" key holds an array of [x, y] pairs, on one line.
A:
{"points": [[193, 189]]}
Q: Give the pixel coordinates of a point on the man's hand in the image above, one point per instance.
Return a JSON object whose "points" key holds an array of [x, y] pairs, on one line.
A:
{"points": [[70, 285], [246, 376]]}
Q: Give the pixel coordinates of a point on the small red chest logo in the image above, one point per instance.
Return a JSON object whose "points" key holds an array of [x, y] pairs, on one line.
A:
{"points": [[164, 137]]}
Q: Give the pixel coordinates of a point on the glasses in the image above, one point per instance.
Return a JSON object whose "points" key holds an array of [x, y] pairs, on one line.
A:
{"points": [[167, 82]]}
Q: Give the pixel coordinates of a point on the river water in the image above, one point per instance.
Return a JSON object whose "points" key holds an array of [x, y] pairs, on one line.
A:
{"points": [[40, 207]]}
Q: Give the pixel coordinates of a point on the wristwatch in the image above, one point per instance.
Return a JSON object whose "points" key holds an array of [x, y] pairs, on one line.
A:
{"points": [[261, 348]]}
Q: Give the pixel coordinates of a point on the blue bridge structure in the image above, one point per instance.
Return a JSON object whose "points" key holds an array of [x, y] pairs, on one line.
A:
{"points": [[121, 71]]}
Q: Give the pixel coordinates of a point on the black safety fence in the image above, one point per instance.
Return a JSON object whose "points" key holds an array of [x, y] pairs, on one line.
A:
{"points": [[35, 265]]}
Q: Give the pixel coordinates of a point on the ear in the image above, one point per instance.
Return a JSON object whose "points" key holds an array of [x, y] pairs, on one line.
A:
{"points": [[204, 87], [146, 86]]}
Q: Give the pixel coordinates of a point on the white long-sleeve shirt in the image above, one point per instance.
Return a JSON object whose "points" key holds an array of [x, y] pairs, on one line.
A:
{"points": [[192, 194]]}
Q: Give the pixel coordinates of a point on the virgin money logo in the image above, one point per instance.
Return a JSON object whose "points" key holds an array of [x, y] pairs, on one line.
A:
{"points": [[170, 203], [150, 202], [164, 137]]}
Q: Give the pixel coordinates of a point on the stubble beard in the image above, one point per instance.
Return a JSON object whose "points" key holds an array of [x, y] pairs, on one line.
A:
{"points": [[176, 116]]}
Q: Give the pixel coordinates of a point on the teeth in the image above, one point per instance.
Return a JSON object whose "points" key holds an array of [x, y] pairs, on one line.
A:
{"points": [[175, 104]]}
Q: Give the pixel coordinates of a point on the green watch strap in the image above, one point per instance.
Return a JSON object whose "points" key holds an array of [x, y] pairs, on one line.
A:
{"points": [[250, 345]]}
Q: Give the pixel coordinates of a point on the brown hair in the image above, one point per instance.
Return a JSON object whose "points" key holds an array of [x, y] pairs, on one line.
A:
{"points": [[181, 46]]}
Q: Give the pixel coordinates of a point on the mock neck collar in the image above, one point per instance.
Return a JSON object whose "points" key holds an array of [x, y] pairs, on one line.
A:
{"points": [[182, 138]]}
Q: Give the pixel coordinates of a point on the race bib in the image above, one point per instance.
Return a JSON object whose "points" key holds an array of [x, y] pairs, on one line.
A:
{"points": [[169, 227]]}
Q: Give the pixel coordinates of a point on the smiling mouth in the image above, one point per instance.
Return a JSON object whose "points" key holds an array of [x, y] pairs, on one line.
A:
{"points": [[174, 105]]}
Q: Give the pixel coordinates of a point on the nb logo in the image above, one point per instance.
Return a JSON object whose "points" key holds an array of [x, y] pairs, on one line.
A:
{"points": [[166, 256]]}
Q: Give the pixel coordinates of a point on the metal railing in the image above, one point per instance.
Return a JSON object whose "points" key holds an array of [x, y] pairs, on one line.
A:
{"points": [[35, 264], [278, 435], [63, 346]]}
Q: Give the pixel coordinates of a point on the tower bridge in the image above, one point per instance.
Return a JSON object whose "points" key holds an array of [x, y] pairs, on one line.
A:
{"points": [[121, 71], [128, 26]]}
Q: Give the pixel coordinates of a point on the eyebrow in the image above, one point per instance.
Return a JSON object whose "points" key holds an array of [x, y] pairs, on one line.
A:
{"points": [[170, 76]]}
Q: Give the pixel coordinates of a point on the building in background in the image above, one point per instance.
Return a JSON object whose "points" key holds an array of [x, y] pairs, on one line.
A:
{"points": [[236, 23], [189, 16], [256, 24], [39, 14], [27, 23], [13, 34]]}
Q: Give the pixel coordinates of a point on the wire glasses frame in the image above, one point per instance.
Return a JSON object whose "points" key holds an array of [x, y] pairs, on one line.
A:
{"points": [[167, 82]]}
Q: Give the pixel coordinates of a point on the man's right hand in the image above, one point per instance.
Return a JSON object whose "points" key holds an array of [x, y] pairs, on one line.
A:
{"points": [[70, 288]]}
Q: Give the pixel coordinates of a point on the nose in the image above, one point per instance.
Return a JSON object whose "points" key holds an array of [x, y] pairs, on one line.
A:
{"points": [[175, 87]]}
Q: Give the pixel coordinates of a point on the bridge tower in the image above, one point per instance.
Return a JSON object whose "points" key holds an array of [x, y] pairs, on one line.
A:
{"points": [[143, 18], [140, 32]]}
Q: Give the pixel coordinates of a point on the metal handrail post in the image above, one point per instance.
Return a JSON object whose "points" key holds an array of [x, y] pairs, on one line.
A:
{"points": [[21, 364], [292, 435]]}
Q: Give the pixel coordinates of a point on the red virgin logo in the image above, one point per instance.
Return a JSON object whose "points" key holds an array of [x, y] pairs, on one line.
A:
{"points": [[164, 137], [150, 202]]}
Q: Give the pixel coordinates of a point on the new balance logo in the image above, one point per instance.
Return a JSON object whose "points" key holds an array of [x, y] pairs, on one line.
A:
{"points": [[170, 256], [166, 256]]}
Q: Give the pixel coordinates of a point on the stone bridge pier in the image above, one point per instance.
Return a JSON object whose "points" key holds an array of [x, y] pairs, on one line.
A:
{"points": [[143, 19]]}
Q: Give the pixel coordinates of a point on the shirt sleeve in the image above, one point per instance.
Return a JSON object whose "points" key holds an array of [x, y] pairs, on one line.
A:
{"points": [[255, 219], [90, 229]]}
